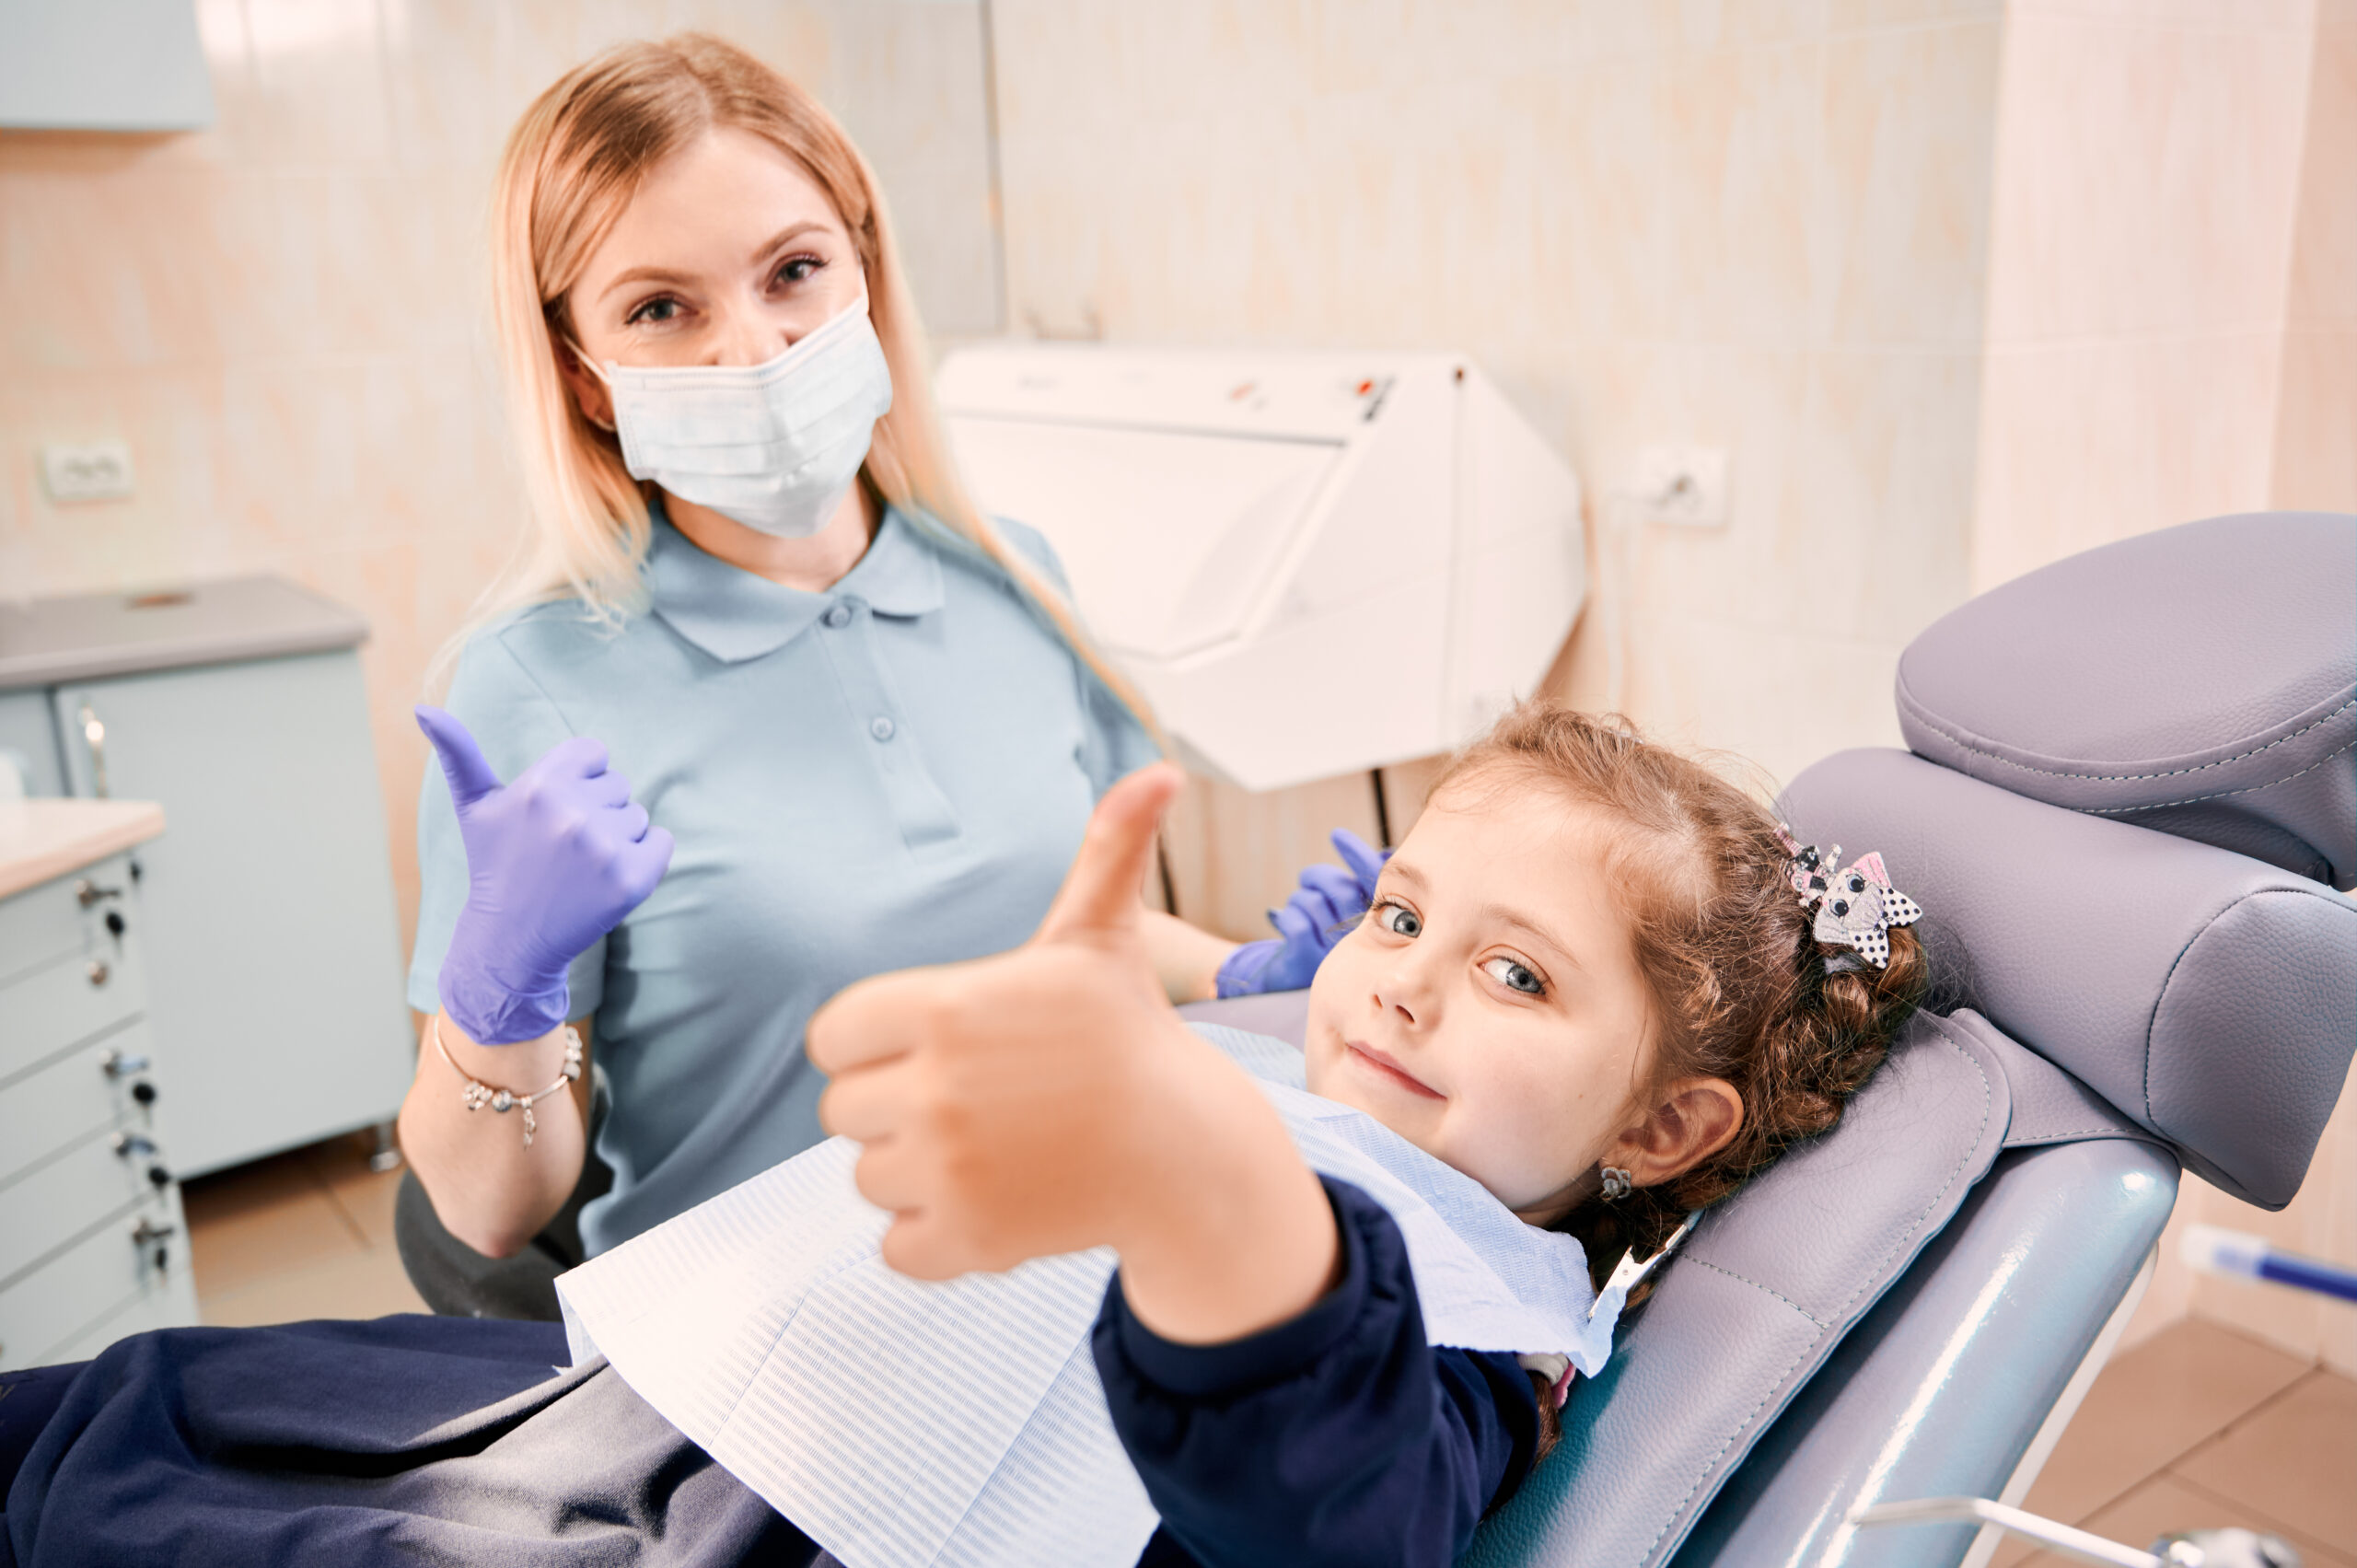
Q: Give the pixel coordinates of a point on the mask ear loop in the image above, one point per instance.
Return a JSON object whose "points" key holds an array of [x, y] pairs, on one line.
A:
{"points": [[591, 366]]}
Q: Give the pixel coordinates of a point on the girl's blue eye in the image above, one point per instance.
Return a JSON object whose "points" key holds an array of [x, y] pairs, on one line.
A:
{"points": [[1513, 976], [661, 309], [1398, 919], [797, 268]]}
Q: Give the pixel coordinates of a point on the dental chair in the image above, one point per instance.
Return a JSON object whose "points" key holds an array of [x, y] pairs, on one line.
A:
{"points": [[2130, 812]]}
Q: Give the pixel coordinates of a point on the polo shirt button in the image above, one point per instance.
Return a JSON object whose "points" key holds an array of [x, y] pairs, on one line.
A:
{"points": [[840, 616], [880, 727]]}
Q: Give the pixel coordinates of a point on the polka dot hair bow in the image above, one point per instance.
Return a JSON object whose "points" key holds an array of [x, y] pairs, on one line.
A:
{"points": [[1855, 907]]}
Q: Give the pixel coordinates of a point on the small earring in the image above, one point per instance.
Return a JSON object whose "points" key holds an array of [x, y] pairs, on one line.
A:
{"points": [[1617, 1184]]}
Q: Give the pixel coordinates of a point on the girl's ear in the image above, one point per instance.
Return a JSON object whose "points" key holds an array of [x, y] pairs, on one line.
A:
{"points": [[1694, 1118]]}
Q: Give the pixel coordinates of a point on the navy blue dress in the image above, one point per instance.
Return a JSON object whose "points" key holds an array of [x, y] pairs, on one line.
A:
{"points": [[1339, 1437]]}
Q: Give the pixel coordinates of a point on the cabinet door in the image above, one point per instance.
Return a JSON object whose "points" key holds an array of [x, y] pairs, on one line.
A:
{"points": [[273, 953]]}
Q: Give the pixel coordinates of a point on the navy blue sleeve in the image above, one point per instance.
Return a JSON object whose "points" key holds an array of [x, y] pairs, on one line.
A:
{"points": [[1338, 1437]]}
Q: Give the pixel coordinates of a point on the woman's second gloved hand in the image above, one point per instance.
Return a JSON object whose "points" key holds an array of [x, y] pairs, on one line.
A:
{"points": [[554, 861], [1310, 923]]}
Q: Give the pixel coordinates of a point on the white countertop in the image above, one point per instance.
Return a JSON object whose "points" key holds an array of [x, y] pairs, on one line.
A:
{"points": [[42, 839]]}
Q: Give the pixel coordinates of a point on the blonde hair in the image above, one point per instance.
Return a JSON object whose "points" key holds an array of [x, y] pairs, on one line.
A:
{"points": [[571, 167]]}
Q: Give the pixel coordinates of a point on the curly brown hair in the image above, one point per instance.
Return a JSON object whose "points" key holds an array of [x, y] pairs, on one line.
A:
{"points": [[1738, 986]]}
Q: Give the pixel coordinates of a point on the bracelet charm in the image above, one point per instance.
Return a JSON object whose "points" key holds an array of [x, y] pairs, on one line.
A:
{"points": [[476, 1094]]}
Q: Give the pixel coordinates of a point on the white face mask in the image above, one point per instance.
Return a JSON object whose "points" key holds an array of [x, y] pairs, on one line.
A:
{"points": [[775, 445]]}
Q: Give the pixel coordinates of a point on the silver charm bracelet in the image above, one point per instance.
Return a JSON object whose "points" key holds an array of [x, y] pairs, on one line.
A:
{"points": [[478, 1094]]}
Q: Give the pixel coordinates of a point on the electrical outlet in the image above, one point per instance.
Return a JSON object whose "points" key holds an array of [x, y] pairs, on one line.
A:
{"points": [[1682, 484], [86, 470]]}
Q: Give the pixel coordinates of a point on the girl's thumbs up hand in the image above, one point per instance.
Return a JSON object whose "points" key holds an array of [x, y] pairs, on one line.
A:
{"points": [[1048, 1100]]}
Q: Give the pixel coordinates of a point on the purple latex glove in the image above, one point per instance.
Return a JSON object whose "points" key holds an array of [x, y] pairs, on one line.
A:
{"points": [[1311, 924], [554, 860]]}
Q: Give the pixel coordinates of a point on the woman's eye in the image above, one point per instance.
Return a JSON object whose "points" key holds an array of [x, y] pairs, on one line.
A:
{"points": [[797, 268], [1513, 976], [1398, 919], [658, 310]]}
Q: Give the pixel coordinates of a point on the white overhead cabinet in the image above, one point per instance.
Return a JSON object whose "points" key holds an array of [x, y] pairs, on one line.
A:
{"points": [[1311, 563], [102, 66], [274, 972]]}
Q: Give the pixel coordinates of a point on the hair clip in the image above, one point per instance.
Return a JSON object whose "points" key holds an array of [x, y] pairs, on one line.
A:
{"points": [[1854, 908]]}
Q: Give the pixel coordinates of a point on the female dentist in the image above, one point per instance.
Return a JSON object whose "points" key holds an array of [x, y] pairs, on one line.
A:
{"points": [[756, 609]]}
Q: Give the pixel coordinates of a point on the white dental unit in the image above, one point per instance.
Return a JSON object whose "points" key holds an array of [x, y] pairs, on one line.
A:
{"points": [[1311, 563]]}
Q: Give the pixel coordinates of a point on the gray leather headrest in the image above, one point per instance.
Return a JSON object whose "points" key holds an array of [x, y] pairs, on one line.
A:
{"points": [[2210, 998], [2200, 680]]}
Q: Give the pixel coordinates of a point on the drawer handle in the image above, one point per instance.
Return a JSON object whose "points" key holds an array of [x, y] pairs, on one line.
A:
{"points": [[115, 1064], [98, 972], [86, 892], [132, 1145], [147, 1233], [94, 732]]}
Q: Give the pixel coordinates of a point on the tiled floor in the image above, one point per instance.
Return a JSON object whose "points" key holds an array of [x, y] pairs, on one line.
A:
{"points": [[2199, 1426], [306, 1233], [2195, 1426]]}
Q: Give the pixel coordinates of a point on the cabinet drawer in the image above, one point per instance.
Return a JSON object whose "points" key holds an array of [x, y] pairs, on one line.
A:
{"points": [[67, 1000], [165, 1301], [48, 922], [49, 1314], [57, 1201], [72, 1098]]}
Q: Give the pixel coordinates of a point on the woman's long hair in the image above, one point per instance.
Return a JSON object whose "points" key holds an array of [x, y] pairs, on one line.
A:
{"points": [[571, 167]]}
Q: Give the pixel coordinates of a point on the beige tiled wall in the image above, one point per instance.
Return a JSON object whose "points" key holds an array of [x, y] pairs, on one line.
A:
{"points": [[2149, 161], [1761, 227], [286, 315]]}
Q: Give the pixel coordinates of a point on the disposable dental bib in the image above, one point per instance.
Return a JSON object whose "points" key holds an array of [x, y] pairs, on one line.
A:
{"points": [[765, 1325]]}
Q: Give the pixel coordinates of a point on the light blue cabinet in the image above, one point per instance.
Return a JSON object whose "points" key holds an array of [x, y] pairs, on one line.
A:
{"points": [[92, 1242], [276, 970]]}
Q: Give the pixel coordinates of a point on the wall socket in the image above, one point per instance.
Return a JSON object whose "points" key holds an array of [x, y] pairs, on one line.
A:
{"points": [[86, 470], [1687, 485]]}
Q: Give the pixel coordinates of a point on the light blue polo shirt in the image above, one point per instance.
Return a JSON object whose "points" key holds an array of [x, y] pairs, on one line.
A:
{"points": [[895, 772]]}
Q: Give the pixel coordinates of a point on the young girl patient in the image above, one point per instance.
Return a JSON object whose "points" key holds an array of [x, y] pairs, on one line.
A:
{"points": [[1596, 978]]}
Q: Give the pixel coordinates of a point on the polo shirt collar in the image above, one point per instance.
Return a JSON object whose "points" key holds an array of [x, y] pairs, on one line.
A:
{"points": [[733, 615]]}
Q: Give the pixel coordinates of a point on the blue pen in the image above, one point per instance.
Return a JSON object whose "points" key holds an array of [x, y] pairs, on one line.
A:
{"points": [[2244, 1256]]}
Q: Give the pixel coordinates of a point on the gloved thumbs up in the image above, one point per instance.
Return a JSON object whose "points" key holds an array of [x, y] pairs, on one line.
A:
{"points": [[554, 860], [1099, 902]]}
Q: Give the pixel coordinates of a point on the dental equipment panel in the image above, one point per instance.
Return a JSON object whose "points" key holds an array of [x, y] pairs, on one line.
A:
{"points": [[1312, 563], [1912, 1306]]}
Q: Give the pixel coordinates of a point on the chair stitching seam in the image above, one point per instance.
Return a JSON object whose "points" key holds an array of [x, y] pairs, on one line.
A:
{"points": [[2219, 795], [2170, 978], [1814, 1320], [2131, 778], [1676, 1513]]}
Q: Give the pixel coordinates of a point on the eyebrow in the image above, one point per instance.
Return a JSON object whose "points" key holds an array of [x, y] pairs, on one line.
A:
{"points": [[775, 243], [1510, 916]]}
